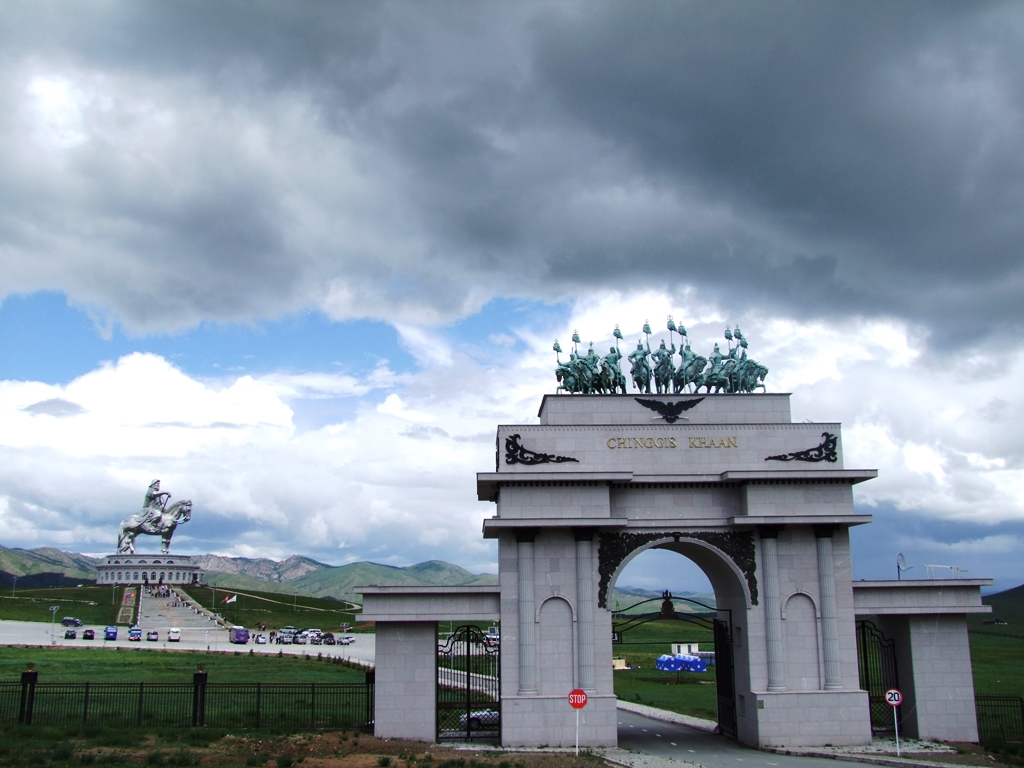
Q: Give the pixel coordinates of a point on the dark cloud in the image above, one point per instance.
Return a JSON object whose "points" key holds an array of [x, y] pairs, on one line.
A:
{"points": [[413, 160]]}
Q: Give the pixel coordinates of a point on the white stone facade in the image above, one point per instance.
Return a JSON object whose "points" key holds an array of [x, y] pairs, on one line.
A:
{"points": [[147, 569], [763, 506]]}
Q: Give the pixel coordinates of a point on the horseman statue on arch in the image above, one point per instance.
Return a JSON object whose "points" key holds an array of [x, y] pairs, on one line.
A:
{"points": [[726, 372], [156, 519]]}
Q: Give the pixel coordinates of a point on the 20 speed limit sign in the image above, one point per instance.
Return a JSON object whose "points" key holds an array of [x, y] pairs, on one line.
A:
{"points": [[893, 697]]}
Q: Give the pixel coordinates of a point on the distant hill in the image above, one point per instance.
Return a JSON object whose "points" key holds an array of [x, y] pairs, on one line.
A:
{"points": [[625, 597], [1008, 607], [44, 567], [48, 567]]}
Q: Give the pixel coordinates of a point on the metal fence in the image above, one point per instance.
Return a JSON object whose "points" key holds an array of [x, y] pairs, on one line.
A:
{"points": [[1000, 719], [196, 704]]}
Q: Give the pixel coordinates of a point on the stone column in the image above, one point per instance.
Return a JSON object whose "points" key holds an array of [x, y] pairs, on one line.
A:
{"points": [[585, 608], [527, 630], [772, 613], [829, 616]]}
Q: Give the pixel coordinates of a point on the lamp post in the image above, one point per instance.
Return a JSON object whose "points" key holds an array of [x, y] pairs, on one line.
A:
{"points": [[14, 586], [53, 623]]}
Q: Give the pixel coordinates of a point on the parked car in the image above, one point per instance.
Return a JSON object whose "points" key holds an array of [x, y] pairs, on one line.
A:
{"points": [[89, 635], [70, 635], [284, 639], [173, 635], [110, 633], [152, 636], [70, 621], [300, 639], [480, 718], [261, 639], [134, 635], [346, 640], [329, 638]]}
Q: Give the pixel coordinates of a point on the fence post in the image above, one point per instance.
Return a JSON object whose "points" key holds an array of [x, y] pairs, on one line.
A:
{"points": [[139, 716], [28, 695], [199, 699], [371, 679]]}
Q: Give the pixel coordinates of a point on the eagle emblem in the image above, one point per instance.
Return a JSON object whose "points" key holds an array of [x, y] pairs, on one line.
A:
{"points": [[669, 411]]}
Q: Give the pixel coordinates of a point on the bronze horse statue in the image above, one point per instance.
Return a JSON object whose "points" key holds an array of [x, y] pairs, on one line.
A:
{"points": [[153, 521]]}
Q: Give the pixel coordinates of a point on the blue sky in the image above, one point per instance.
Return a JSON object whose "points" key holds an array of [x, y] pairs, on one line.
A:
{"points": [[300, 265]]}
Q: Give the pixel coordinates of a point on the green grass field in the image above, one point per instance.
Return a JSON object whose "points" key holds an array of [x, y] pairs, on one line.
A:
{"points": [[997, 663], [687, 693], [91, 604], [138, 665], [274, 609]]}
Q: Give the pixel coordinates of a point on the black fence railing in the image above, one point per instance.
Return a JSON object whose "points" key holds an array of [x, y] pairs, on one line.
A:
{"points": [[196, 704], [1000, 719]]}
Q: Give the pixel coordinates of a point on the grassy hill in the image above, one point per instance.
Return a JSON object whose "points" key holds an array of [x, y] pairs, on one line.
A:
{"points": [[44, 567], [625, 597]]}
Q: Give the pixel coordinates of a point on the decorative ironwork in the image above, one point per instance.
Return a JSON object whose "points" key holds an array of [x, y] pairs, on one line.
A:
{"points": [[824, 452], [669, 411], [616, 547], [468, 686], [517, 454], [876, 663]]}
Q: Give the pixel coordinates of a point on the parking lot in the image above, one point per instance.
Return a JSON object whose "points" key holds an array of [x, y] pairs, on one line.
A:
{"points": [[197, 633]]}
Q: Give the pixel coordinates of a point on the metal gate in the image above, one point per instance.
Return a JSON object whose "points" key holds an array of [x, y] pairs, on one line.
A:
{"points": [[724, 679], [468, 686], [876, 662]]}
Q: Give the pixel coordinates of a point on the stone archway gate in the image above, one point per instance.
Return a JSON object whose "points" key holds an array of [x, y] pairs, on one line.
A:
{"points": [[761, 504]]}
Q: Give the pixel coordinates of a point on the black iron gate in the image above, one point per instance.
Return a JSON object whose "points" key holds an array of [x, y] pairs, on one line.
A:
{"points": [[468, 686], [876, 662], [724, 681]]}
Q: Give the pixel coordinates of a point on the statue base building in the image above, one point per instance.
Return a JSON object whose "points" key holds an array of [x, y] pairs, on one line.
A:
{"points": [[148, 569], [761, 504]]}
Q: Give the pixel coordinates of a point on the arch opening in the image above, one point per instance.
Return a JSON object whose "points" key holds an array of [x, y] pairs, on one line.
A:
{"points": [[707, 591]]}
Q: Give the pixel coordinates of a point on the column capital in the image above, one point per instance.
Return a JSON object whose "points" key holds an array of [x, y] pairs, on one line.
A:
{"points": [[583, 534], [526, 535], [824, 530]]}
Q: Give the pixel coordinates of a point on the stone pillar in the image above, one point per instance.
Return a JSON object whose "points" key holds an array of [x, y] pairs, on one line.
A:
{"points": [[829, 616], [585, 608], [527, 629], [772, 612]]}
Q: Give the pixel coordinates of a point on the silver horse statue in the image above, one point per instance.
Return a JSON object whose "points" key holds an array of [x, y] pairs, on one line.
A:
{"points": [[156, 519]]}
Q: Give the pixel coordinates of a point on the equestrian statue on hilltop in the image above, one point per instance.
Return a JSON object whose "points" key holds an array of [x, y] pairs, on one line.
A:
{"points": [[156, 519], [729, 372]]}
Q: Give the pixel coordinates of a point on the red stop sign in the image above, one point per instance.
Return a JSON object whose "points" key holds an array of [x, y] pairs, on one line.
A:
{"points": [[578, 699]]}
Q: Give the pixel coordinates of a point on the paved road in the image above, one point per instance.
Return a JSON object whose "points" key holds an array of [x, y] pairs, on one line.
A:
{"points": [[197, 633], [653, 737]]}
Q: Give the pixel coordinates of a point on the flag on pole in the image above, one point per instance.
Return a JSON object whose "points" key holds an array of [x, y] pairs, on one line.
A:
{"points": [[231, 599]]}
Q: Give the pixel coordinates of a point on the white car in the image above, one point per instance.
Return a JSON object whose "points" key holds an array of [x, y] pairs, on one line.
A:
{"points": [[346, 640], [261, 639], [174, 635], [480, 718]]}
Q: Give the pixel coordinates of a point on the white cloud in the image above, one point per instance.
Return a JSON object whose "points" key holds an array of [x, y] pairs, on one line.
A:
{"points": [[395, 479]]}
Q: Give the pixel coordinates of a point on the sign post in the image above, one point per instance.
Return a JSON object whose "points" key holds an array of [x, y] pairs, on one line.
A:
{"points": [[894, 698], [578, 700]]}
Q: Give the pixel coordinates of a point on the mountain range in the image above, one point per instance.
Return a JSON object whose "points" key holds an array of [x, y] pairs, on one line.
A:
{"points": [[49, 567]]}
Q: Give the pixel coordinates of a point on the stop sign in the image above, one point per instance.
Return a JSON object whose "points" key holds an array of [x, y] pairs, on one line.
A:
{"points": [[578, 699]]}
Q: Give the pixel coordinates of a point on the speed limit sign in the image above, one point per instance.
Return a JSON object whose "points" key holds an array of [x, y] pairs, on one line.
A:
{"points": [[894, 698]]}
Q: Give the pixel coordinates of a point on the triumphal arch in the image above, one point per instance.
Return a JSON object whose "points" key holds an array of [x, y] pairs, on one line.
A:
{"points": [[762, 504]]}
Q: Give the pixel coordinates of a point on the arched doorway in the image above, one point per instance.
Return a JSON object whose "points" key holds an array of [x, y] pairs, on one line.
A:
{"points": [[710, 620]]}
